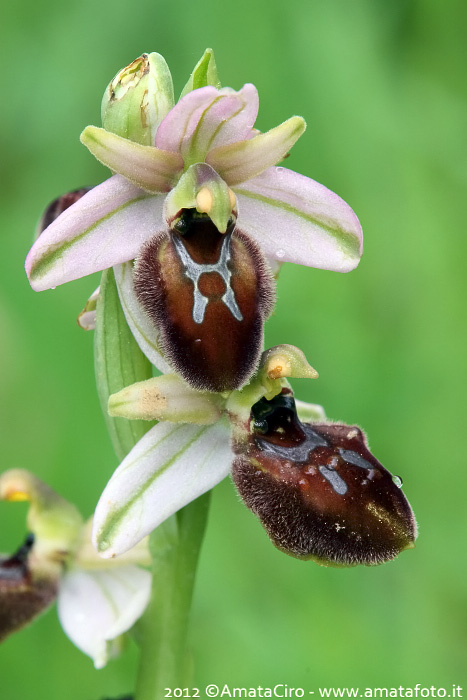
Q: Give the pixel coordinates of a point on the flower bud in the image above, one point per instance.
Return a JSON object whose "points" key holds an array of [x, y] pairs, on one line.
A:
{"points": [[138, 98], [318, 490]]}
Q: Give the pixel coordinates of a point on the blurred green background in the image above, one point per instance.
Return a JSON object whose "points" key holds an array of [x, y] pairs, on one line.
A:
{"points": [[381, 85]]}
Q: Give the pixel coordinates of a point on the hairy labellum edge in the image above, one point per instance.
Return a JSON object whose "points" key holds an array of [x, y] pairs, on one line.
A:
{"points": [[210, 322], [317, 489]]}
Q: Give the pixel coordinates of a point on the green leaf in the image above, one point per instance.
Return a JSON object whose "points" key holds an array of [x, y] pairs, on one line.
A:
{"points": [[204, 73], [118, 362]]}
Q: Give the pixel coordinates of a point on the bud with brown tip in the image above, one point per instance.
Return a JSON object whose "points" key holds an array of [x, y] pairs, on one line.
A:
{"points": [[23, 594]]}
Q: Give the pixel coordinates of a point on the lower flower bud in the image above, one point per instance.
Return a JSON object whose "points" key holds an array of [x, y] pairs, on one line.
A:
{"points": [[318, 490], [23, 595]]}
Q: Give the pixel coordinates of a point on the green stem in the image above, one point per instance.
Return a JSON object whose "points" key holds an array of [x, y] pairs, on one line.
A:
{"points": [[175, 548]]}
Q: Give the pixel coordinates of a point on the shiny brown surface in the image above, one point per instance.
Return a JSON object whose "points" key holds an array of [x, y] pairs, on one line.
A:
{"points": [[319, 491], [22, 597], [221, 352]]}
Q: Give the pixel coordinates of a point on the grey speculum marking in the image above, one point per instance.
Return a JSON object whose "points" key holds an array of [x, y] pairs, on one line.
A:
{"points": [[194, 271], [357, 460], [336, 481], [297, 453]]}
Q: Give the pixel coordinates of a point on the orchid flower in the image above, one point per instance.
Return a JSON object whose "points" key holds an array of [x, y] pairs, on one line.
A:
{"points": [[197, 200], [97, 600], [316, 488]]}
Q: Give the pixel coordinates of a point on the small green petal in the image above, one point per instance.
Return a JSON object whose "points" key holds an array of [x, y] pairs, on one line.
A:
{"points": [[204, 73], [244, 160], [166, 398], [286, 361], [150, 168]]}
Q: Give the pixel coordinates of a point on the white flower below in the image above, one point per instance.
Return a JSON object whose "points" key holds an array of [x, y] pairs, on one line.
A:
{"points": [[98, 600], [96, 607]]}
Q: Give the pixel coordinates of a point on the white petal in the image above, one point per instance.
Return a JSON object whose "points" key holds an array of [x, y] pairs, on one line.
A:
{"points": [[168, 468], [95, 607], [87, 558], [295, 219], [142, 327], [107, 226]]}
